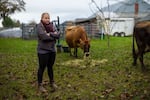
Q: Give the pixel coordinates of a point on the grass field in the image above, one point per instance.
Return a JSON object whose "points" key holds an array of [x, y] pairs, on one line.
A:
{"points": [[107, 75]]}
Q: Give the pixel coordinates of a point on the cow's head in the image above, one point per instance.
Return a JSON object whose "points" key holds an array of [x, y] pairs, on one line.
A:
{"points": [[85, 45]]}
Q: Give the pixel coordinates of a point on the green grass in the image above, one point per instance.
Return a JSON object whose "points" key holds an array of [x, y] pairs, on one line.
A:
{"points": [[113, 80]]}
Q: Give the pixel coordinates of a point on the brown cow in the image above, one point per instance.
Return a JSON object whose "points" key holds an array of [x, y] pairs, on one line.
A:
{"points": [[142, 36], [76, 37]]}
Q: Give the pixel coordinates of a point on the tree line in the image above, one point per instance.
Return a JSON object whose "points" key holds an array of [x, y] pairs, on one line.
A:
{"points": [[8, 7]]}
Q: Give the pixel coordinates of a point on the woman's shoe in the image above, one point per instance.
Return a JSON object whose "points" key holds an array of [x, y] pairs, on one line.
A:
{"points": [[53, 87], [41, 88]]}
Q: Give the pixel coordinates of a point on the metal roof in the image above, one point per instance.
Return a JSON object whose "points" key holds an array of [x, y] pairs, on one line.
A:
{"points": [[127, 6], [146, 18]]}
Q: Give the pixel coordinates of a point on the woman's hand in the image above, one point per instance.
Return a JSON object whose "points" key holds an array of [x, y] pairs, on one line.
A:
{"points": [[55, 32], [48, 34], [55, 35]]}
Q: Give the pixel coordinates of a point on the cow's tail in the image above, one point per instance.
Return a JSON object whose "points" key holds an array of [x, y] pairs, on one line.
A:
{"points": [[133, 44]]}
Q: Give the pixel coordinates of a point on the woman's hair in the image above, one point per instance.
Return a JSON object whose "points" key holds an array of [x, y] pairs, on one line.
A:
{"points": [[44, 14]]}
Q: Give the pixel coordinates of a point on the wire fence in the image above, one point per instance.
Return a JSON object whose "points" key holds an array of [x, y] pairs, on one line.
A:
{"points": [[29, 31]]}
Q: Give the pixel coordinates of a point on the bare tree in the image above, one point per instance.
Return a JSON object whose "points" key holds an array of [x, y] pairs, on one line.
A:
{"points": [[102, 23]]}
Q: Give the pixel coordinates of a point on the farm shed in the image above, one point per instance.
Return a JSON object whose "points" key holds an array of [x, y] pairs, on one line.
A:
{"points": [[126, 8], [146, 18], [63, 27], [90, 25]]}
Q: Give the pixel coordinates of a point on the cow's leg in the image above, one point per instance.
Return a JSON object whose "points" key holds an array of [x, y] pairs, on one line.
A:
{"points": [[70, 52], [135, 56], [141, 58], [135, 52], [141, 61], [75, 52]]}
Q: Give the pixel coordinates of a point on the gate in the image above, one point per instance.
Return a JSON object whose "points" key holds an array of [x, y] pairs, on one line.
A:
{"points": [[29, 31]]}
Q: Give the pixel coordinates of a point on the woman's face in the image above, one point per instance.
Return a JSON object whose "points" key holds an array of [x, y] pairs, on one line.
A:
{"points": [[46, 19]]}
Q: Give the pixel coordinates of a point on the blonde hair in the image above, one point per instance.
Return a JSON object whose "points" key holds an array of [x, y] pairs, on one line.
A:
{"points": [[44, 14]]}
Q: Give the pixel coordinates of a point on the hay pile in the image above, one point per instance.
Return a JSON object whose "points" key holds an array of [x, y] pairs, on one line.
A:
{"points": [[83, 63]]}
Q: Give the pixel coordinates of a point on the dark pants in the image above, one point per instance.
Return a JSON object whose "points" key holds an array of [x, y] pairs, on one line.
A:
{"points": [[46, 60]]}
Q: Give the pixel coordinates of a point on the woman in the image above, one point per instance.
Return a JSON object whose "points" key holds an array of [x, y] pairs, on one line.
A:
{"points": [[47, 36]]}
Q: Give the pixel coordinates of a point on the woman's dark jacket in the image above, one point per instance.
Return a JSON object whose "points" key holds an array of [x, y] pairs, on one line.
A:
{"points": [[46, 43]]}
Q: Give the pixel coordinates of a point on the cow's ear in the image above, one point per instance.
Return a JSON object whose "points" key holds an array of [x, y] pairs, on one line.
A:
{"points": [[81, 41]]}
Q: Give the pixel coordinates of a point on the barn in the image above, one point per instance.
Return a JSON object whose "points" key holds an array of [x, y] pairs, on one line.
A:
{"points": [[125, 12], [122, 10], [129, 8]]}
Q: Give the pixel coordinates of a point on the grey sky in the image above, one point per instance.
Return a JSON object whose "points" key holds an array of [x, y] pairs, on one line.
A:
{"points": [[65, 9]]}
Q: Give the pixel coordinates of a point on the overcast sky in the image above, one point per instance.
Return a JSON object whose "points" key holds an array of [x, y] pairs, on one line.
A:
{"points": [[65, 9]]}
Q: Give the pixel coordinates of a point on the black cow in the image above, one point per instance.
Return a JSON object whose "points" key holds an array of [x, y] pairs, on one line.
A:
{"points": [[142, 36]]}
